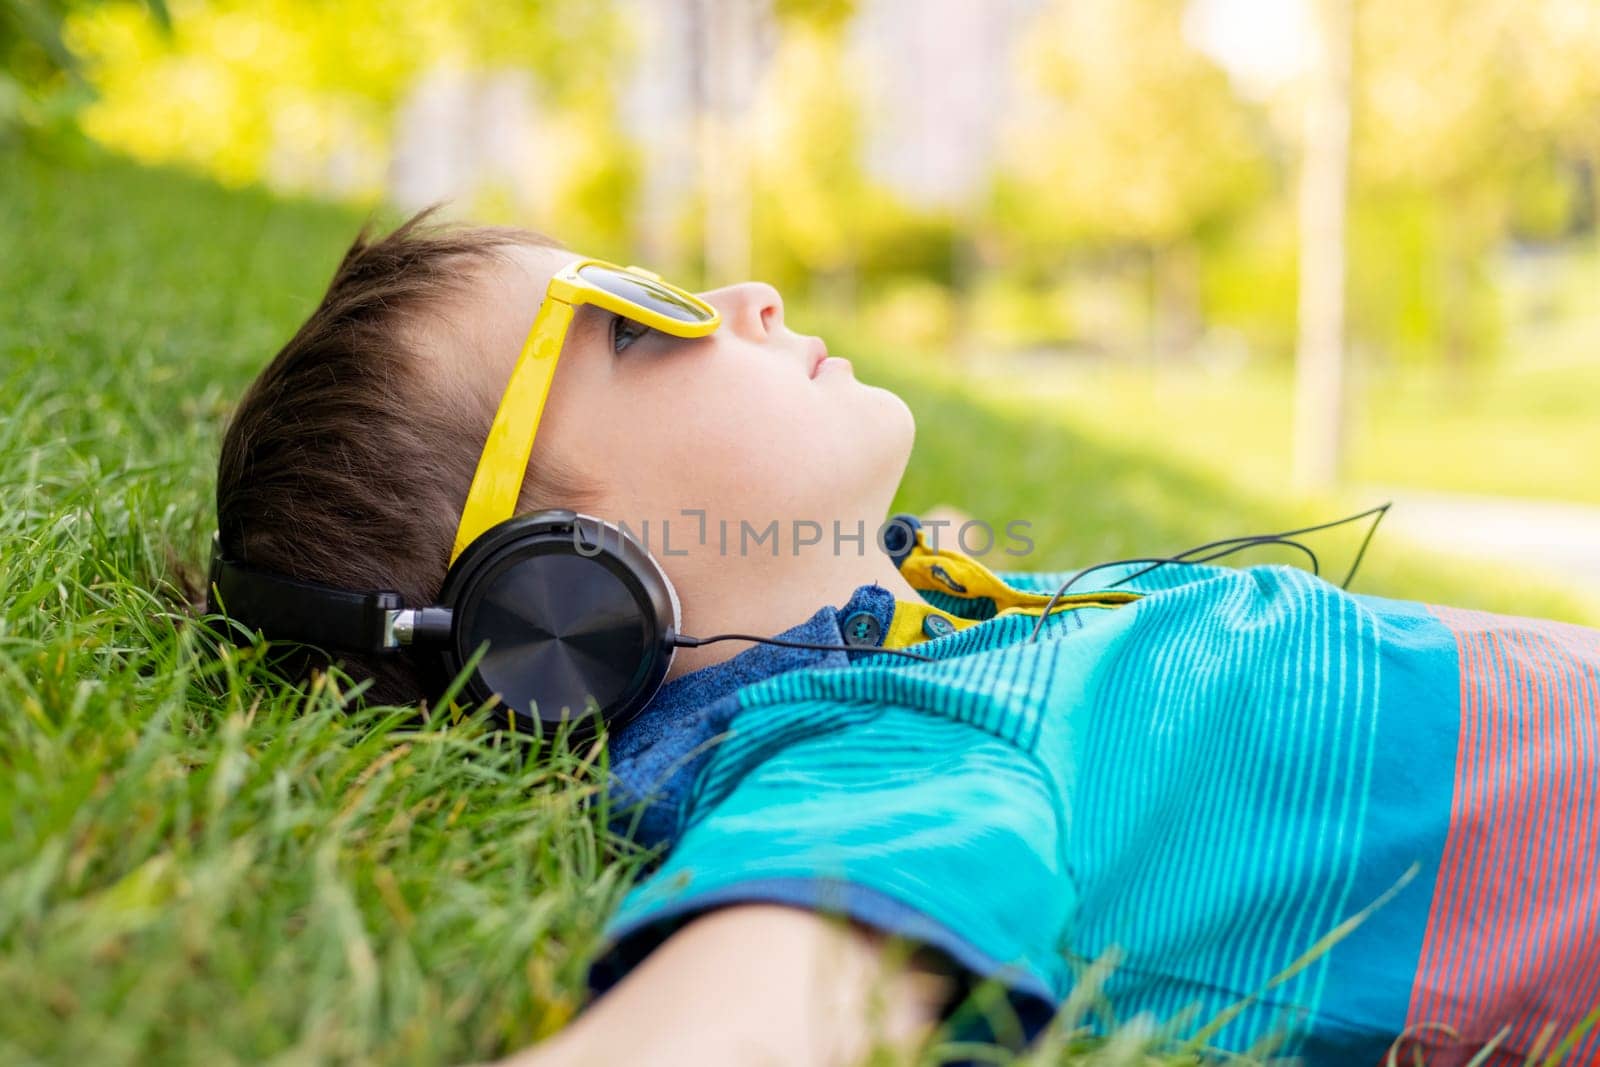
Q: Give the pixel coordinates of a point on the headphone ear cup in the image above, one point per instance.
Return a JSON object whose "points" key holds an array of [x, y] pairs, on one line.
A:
{"points": [[568, 608]]}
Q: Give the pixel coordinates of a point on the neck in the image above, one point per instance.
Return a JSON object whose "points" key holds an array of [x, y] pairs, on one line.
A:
{"points": [[766, 594]]}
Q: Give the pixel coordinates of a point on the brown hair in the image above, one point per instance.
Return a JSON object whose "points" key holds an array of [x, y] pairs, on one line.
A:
{"points": [[343, 464]]}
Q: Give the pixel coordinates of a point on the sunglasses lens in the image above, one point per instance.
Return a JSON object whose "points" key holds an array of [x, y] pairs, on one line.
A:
{"points": [[644, 292]]}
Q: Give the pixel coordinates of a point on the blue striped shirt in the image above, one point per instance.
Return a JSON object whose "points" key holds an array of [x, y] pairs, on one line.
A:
{"points": [[1199, 774]]}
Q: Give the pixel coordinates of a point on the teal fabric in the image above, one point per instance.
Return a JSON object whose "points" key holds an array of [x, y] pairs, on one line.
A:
{"points": [[1205, 782], [941, 817], [656, 755]]}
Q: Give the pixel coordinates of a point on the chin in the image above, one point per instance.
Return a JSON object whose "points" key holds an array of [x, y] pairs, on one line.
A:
{"points": [[899, 427], [896, 410]]}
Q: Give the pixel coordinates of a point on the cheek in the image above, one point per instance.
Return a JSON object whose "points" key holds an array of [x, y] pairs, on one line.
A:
{"points": [[781, 442], [749, 426], [745, 438]]}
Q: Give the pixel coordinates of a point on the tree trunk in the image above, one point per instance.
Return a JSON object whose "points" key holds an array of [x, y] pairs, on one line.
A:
{"points": [[729, 44], [1324, 191]]}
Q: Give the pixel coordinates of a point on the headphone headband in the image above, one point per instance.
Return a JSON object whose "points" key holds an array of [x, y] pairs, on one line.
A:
{"points": [[279, 606]]}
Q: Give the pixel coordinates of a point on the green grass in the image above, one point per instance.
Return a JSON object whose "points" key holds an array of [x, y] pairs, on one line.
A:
{"points": [[1522, 429], [195, 867], [199, 866]]}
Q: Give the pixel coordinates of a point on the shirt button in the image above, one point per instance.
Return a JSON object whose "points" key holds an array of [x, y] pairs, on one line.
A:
{"points": [[862, 628], [937, 626]]}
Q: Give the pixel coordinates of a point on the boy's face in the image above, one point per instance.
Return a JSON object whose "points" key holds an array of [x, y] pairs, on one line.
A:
{"points": [[744, 423]]}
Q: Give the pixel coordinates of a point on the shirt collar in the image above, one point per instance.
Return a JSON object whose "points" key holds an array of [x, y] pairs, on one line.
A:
{"points": [[954, 586], [674, 707], [655, 754], [957, 591]]}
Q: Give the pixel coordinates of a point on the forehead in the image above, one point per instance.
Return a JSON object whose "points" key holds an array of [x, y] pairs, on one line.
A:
{"points": [[513, 285], [522, 271], [473, 341]]}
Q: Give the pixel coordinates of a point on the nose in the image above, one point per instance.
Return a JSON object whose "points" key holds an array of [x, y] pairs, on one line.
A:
{"points": [[753, 309]]}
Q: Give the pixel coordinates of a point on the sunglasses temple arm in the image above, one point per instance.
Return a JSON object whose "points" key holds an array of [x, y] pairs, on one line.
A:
{"points": [[503, 466]]}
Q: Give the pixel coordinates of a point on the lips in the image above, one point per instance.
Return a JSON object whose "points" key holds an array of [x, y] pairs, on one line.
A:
{"points": [[819, 352]]}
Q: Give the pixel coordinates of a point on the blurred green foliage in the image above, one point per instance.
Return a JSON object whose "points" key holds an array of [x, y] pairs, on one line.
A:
{"points": [[41, 80], [1136, 202]]}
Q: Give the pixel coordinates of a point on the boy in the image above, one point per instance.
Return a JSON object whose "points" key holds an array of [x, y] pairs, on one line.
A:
{"points": [[1207, 770]]}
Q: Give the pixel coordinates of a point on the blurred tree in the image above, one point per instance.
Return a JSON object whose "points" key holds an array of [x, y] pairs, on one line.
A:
{"points": [[729, 36], [1126, 138], [40, 76], [807, 172], [1472, 121], [1463, 108], [1323, 199], [826, 15], [1129, 173], [1560, 60], [237, 81]]}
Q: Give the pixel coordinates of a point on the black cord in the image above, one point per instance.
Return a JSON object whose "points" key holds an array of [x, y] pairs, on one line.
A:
{"points": [[1227, 546], [1241, 544], [1238, 544], [1380, 511], [1288, 542], [685, 641], [1158, 561]]}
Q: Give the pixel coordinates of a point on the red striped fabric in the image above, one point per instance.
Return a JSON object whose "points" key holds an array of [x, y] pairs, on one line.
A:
{"points": [[1513, 935]]}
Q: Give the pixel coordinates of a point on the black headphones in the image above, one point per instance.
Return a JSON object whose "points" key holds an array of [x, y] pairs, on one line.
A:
{"points": [[569, 606]]}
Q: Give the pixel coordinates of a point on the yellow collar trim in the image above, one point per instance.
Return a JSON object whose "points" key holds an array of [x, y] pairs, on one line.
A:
{"points": [[956, 574], [909, 623]]}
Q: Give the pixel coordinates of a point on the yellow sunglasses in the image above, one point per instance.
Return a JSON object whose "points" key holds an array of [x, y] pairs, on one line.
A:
{"points": [[632, 292]]}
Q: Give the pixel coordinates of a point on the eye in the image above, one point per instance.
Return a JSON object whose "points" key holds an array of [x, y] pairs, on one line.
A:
{"points": [[624, 332]]}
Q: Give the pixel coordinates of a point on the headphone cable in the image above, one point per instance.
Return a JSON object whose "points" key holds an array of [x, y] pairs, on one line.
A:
{"points": [[1236, 544], [685, 641], [1227, 546]]}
